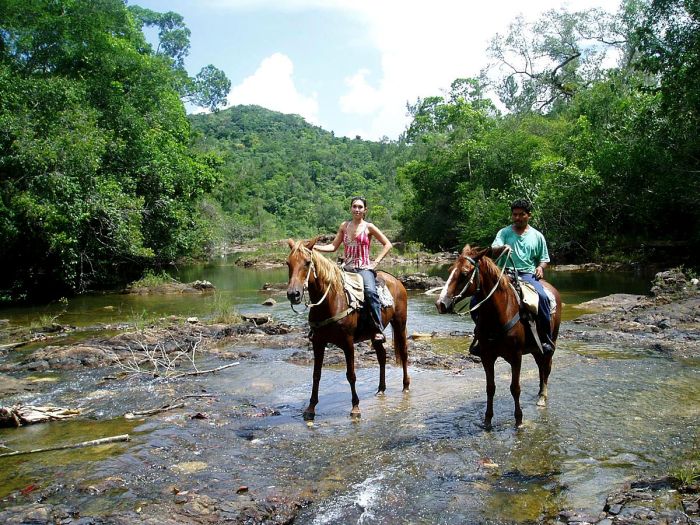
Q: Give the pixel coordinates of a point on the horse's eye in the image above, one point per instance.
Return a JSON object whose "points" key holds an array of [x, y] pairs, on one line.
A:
{"points": [[307, 263]]}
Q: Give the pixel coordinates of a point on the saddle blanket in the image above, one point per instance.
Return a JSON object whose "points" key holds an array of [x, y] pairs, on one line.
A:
{"points": [[531, 298], [355, 290]]}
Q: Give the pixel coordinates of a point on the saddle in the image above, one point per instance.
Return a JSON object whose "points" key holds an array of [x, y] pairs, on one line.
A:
{"points": [[355, 291], [529, 305], [531, 299]]}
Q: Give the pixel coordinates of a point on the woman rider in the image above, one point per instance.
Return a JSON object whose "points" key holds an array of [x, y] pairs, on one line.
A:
{"points": [[356, 236]]}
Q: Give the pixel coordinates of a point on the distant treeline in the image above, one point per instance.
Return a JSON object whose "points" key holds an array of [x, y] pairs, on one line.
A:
{"points": [[102, 174]]}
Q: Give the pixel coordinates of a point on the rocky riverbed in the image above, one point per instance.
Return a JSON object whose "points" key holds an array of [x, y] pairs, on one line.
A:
{"points": [[667, 322]]}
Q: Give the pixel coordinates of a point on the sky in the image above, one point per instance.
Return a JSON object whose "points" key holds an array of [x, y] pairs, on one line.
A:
{"points": [[349, 66]]}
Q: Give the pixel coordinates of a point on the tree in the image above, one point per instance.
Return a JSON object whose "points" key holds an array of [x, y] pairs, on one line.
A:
{"points": [[97, 177], [549, 61]]}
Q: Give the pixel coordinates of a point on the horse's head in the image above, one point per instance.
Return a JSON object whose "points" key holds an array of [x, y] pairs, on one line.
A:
{"points": [[463, 280], [299, 264]]}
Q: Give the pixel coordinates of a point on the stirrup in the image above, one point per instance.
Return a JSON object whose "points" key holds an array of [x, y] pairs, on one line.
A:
{"points": [[379, 337]]}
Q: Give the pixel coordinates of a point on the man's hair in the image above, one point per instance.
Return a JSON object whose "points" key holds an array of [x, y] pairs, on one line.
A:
{"points": [[523, 204]]}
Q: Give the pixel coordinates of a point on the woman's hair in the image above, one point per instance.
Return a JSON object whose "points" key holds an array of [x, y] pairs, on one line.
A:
{"points": [[362, 199]]}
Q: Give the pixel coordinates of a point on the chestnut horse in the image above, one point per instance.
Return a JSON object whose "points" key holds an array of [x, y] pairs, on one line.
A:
{"points": [[501, 332], [333, 321]]}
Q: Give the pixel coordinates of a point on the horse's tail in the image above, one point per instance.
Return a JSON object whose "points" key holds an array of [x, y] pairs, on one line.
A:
{"points": [[399, 317]]}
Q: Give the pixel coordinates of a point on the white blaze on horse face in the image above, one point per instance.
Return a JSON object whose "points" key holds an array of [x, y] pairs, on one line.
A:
{"points": [[443, 293]]}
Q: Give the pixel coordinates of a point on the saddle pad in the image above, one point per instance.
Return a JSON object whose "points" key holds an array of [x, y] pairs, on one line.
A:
{"points": [[355, 288], [531, 298], [385, 297]]}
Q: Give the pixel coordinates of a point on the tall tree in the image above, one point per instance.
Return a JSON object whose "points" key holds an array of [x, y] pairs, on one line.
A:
{"points": [[97, 177]]}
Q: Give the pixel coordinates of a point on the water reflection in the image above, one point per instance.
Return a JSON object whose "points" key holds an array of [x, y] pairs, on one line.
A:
{"points": [[420, 457]]}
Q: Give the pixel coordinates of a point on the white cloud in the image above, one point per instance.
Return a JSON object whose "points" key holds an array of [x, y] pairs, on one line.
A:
{"points": [[426, 45], [362, 99], [272, 86]]}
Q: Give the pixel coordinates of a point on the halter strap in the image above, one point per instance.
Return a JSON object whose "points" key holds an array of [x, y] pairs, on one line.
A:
{"points": [[336, 317], [495, 286]]}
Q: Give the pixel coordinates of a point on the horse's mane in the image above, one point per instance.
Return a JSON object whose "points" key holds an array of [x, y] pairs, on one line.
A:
{"points": [[327, 272]]}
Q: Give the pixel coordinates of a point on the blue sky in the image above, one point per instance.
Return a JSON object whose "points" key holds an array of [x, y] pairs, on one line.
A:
{"points": [[349, 66]]}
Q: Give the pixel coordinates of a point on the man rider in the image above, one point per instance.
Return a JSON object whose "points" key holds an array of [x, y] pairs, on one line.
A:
{"points": [[530, 257]]}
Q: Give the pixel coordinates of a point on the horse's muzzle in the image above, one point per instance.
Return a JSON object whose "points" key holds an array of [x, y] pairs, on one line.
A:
{"points": [[444, 306], [294, 295]]}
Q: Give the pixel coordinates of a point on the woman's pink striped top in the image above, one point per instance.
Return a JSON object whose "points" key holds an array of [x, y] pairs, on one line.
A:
{"points": [[357, 249]]}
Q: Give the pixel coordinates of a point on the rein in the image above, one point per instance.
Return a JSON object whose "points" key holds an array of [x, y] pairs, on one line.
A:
{"points": [[475, 275], [307, 304]]}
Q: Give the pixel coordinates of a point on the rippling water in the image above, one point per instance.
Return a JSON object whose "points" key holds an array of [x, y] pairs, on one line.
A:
{"points": [[614, 414]]}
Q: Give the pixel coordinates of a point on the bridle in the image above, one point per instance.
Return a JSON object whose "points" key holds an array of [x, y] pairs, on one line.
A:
{"points": [[475, 275], [305, 290]]}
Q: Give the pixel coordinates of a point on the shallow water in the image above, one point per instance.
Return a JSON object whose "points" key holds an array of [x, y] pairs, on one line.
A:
{"points": [[614, 414]]}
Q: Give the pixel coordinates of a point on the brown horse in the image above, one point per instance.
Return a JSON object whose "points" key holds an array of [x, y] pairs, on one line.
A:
{"points": [[500, 330], [333, 321]]}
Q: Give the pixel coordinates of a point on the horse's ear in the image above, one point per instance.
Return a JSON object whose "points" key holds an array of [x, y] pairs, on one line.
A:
{"points": [[480, 252], [310, 243], [466, 250], [291, 243]]}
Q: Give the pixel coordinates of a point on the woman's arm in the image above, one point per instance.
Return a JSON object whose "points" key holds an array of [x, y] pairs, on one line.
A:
{"points": [[386, 244], [333, 246]]}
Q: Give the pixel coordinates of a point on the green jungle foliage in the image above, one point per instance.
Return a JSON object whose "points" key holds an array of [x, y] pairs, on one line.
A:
{"points": [[102, 174], [97, 179], [609, 157], [284, 177]]}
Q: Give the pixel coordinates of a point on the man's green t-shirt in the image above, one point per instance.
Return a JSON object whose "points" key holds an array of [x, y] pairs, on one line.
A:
{"points": [[529, 249]]}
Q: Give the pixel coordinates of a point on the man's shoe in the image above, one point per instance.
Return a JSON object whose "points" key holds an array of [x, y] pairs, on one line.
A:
{"points": [[475, 348], [547, 348]]}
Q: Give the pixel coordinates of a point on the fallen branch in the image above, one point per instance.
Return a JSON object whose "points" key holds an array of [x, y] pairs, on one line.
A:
{"points": [[19, 415], [200, 372], [10, 346], [94, 442], [164, 408]]}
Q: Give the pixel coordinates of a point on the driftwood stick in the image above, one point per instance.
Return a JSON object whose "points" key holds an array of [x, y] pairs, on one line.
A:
{"points": [[94, 442], [19, 415], [200, 372], [164, 408], [10, 346], [187, 396]]}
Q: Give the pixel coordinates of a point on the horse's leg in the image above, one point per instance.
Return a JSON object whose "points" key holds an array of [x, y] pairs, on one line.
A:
{"points": [[398, 328], [319, 351], [515, 367], [349, 351], [544, 365], [381, 358], [488, 364]]}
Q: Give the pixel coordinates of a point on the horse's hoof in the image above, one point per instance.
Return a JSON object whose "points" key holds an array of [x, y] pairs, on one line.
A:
{"points": [[309, 416], [380, 393], [542, 401], [355, 413]]}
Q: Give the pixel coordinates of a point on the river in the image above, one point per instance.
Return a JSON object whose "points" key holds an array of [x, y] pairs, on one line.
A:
{"points": [[614, 414]]}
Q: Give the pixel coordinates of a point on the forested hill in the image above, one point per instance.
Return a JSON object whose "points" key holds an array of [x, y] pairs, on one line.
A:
{"points": [[282, 176]]}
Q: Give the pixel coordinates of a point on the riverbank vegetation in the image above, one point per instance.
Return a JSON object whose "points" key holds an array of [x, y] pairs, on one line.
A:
{"points": [[593, 116]]}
